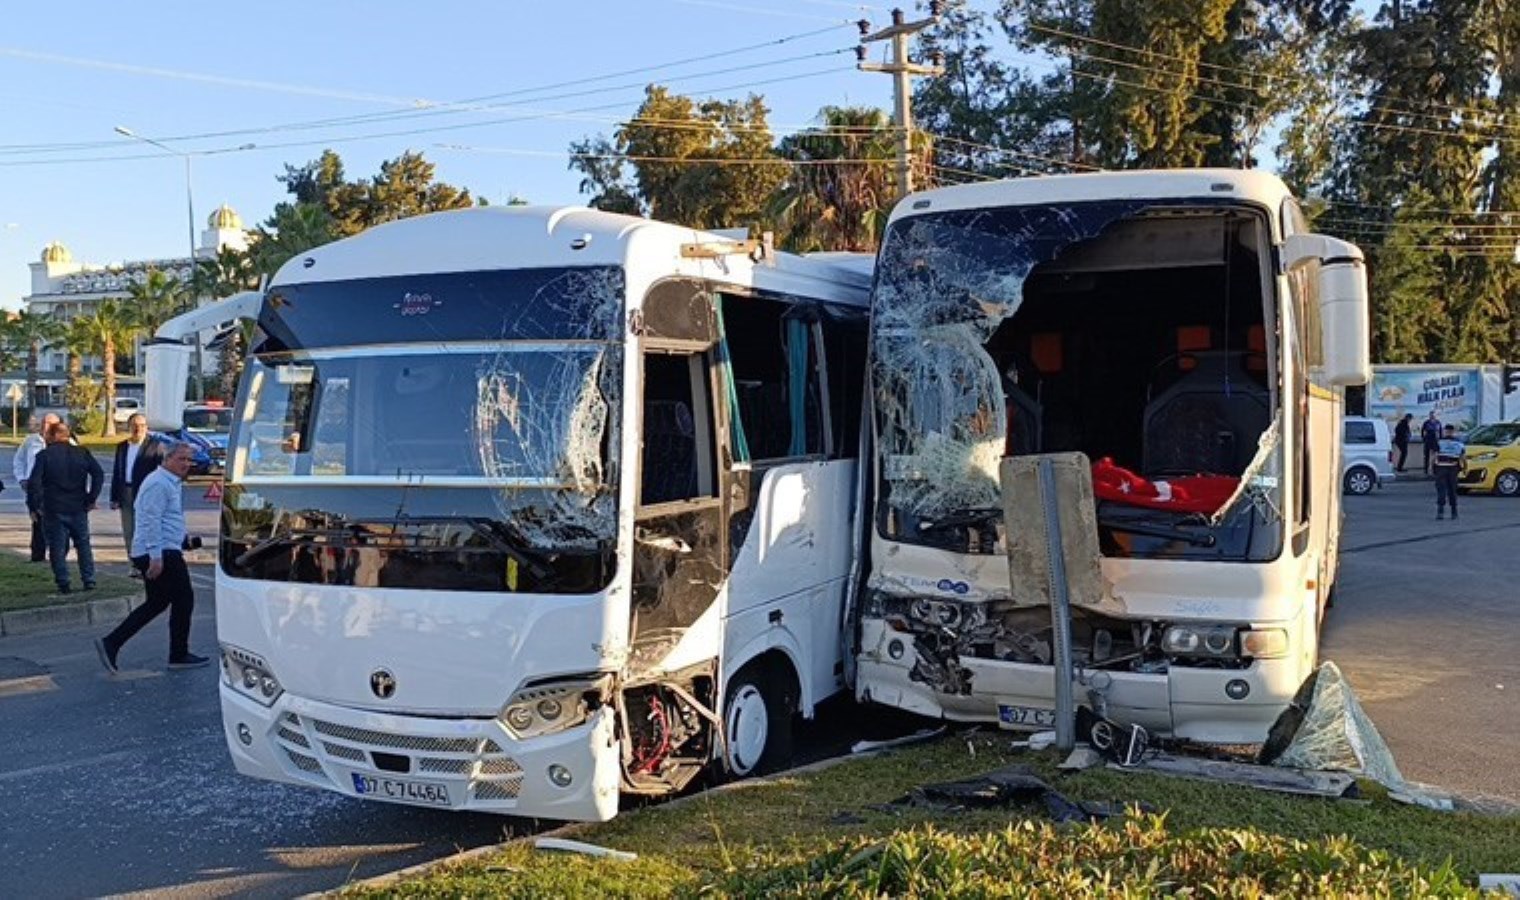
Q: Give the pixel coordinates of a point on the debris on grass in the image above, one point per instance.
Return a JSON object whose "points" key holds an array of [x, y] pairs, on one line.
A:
{"points": [[585, 849]]}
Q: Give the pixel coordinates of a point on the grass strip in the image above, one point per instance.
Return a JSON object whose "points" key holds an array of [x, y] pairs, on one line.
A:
{"points": [[29, 585], [828, 833]]}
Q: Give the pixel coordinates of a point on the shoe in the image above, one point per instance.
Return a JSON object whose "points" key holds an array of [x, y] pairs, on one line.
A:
{"points": [[65, 589], [133, 573], [1453, 515], [89, 585], [1440, 516], [107, 656], [189, 661]]}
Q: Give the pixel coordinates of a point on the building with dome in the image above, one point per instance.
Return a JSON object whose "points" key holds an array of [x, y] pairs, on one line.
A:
{"points": [[64, 288]]}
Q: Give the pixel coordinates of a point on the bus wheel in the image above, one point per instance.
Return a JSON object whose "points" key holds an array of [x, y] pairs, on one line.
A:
{"points": [[757, 723], [1508, 483]]}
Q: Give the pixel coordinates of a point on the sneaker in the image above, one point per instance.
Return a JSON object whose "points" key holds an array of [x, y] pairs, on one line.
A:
{"points": [[189, 661], [107, 656]]}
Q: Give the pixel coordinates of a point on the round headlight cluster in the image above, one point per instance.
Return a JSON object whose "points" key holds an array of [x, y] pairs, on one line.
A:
{"points": [[519, 718], [550, 709]]}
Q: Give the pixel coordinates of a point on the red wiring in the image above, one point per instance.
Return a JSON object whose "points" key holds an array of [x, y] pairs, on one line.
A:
{"points": [[643, 764]]}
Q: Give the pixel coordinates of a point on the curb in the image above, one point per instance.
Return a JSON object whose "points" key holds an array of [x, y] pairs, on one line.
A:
{"points": [[106, 611], [391, 878]]}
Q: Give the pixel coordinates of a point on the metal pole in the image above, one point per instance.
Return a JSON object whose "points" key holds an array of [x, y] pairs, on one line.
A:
{"points": [[901, 100], [200, 363], [1060, 610]]}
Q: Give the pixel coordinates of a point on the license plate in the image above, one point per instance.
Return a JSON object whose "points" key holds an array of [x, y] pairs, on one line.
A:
{"points": [[422, 793], [1025, 716]]}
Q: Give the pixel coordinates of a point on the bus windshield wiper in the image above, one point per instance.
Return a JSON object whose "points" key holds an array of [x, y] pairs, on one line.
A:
{"points": [[1157, 530], [962, 518]]}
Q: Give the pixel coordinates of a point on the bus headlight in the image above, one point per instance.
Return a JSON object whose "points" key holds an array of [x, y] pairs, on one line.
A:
{"points": [[550, 708], [249, 675], [1199, 640]]}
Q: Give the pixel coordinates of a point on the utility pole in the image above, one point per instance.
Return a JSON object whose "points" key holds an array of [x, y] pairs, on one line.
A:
{"points": [[902, 92]]}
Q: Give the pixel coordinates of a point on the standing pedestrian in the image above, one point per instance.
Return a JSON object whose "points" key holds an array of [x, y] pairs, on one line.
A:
{"points": [[123, 480], [1430, 438], [21, 466], [158, 543], [1401, 435], [1449, 461], [64, 485]]}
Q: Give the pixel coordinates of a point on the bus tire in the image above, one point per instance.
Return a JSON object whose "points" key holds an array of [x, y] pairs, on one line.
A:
{"points": [[757, 722]]}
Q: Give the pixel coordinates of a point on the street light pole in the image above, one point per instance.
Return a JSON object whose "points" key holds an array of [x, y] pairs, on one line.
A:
{"points": [[190, 222]]}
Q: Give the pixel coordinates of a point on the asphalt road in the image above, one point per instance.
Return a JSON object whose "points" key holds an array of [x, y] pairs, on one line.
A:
{"points": [[122, 785]]}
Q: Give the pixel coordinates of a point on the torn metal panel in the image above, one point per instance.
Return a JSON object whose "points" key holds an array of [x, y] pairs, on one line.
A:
{"points": [[1267, 778], [1023, 511], [947, 282]]}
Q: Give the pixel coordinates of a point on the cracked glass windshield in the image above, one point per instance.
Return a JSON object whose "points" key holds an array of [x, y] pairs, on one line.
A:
{"points": [[478, 459], [1056, 328]]}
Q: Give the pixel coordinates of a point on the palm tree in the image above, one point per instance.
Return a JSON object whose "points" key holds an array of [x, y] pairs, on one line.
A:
{"points": [[33, 331], [292, 230], [229, 272], [112, 325], [839, 199], [157, 299]]}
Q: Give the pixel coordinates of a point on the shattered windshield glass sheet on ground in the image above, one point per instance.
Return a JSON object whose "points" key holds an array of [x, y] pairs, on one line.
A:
{"points": [[483, 434], [947, 280]]}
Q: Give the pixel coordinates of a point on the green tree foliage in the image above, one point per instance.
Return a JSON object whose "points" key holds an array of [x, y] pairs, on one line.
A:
{"points": [[293, 229], [110, 325], [157, 299], [27, 333], [707, 164], [839, 194]]}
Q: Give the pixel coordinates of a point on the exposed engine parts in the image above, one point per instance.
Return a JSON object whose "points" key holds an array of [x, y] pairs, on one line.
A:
{"points": [[670, 730], [943, 632]]}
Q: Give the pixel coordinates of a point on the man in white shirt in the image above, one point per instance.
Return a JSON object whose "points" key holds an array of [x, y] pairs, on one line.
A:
{"points": [[123, 490], [158, 542], [21, 467]]}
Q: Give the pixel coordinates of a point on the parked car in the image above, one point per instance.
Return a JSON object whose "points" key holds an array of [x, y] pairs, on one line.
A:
{"points": [[124, 408], [1493, 460], [205, 428], [1367, 461]]}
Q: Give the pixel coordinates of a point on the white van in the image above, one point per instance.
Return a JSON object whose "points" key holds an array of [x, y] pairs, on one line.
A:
{"points": [[1367, 458]]}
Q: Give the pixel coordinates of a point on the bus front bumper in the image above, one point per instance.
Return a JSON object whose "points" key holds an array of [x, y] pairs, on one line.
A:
{"points": [[1183, 702], [459, 764]]}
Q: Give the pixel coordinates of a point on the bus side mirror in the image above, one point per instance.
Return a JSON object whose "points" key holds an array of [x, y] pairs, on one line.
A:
{"points": [[1343, 305]]}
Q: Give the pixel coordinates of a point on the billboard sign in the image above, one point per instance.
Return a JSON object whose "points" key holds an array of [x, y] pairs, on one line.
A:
{"points": [[1452, 394]]}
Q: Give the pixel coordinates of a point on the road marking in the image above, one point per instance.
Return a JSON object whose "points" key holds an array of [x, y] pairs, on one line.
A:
{"points": [[1429, 537], [16, 774], [35, 684]]}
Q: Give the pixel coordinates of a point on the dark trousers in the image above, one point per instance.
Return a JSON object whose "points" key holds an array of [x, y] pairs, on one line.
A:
{"points": [[39, 538], [1403, 454], [1446, 488], [1430, 453], [61, 528], [171, 590]]}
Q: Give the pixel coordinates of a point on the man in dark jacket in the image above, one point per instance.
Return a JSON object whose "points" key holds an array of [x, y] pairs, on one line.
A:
{"points": [[65, 482], [123, 473], [1401, 435]]}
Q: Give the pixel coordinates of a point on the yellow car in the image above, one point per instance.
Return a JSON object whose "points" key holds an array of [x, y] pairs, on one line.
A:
{"points": [[1493, 460]]}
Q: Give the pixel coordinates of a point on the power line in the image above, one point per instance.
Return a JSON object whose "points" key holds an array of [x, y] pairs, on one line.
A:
{"points": [[345, 139], [473, 104], [1221, 66]]}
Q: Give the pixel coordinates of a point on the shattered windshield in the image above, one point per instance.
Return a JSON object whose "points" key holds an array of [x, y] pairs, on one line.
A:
{"points": [[480, 460], [1143, 344]]}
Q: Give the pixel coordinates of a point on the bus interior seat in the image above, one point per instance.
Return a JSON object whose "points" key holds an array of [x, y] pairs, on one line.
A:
{"points": [[670, 452], [1208, 421]]}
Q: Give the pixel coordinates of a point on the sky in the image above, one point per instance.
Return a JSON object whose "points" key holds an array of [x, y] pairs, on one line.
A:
{"points": [[276, 74]]}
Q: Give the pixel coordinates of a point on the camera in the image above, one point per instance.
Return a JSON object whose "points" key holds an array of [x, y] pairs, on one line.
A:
{"points": [[191, 542]]}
